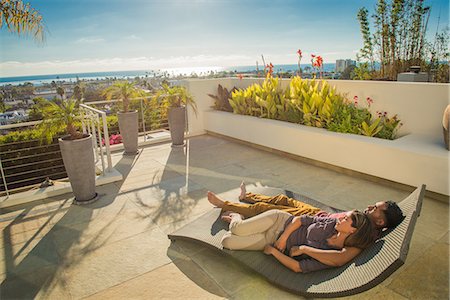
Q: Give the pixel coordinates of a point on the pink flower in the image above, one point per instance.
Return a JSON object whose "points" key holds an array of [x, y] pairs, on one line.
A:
{"points": [[240, 76], [369, 101], [355, 99], [299, 52]]}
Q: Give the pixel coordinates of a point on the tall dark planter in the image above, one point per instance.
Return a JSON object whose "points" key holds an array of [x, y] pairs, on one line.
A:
{"points": [[177, 125], [128, 126], [78, 157]]}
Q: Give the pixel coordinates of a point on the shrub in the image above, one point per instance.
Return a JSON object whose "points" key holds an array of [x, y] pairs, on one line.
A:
{"points": [[312, 103]]}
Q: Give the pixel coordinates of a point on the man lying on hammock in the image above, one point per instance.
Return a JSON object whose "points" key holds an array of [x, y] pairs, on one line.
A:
{"points": [[382, 215]]}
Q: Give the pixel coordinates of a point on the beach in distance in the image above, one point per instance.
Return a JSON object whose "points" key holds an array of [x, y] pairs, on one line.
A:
{"points": [[169, 72]]}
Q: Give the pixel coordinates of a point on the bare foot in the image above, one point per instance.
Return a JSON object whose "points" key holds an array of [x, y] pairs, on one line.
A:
{"points": [[214, 200], [243, 191], [228, 215]]}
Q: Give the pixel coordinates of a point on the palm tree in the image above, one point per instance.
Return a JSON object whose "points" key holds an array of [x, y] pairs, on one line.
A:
{"points": [[59, 117], [78, 91], [125, 91], [60, 91], [22, 19], [76, 148]]}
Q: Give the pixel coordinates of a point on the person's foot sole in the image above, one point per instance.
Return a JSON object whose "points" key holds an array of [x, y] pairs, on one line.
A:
{"points": [[243, 191], [214, 200]]}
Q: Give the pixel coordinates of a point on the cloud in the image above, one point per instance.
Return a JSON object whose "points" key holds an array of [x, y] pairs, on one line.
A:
{"points": [[134, 37], [89, 40], [15, 68]]}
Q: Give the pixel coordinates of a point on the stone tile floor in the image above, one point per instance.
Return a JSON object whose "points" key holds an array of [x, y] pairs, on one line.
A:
{"points": [[117, 247]]}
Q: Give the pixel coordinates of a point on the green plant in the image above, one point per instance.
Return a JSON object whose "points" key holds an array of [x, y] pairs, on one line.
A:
{"points": [[372, 129], [125, 91], [176, 96], [390, 126], [221, 100], [60, 117], [22, 19]]}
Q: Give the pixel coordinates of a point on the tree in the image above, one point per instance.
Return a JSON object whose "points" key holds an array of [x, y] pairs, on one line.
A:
{"points": [[123, 90], [35, 112], [78, 91], [58, 118], [60, 91], [347, 74], [398, 41], [22, 19]]}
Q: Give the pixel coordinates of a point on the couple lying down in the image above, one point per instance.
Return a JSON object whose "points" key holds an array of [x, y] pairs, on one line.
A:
{"points": [[302, 237]]}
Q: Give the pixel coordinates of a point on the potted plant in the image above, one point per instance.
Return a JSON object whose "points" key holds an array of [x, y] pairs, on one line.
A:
{"points": [[76, 148], [128, 120], [175, 99]]}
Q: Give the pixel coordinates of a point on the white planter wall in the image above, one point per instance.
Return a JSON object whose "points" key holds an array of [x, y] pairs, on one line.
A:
{"points": [[417, 157]]}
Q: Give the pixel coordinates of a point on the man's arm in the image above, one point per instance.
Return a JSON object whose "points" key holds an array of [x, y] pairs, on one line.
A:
{"points": [[334, 258], [280, 244], [287, 261]]}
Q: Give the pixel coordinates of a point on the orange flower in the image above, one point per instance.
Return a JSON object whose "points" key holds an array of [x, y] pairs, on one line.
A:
{"points": [[317, 61], [240, 76], [269, 67]]}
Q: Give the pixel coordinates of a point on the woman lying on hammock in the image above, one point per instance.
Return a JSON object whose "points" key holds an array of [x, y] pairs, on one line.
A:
{"points": [[280, 234]]}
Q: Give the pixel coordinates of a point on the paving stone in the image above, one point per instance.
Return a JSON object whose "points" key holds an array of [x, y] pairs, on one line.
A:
{"points": [[427, 277], [89, 271], [108, 228], [167, 282], [378, 292], [34, 285]]}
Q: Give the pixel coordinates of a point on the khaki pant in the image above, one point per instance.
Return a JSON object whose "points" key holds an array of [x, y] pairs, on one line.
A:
{"points": [[255, 233], [263, 203]]}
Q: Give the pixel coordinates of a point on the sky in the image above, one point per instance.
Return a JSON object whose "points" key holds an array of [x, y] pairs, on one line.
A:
{"points": [[114, 35]]}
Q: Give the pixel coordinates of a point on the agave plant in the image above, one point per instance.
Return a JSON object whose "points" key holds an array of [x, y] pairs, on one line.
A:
{"points": [[125, 91], [58, 118]]}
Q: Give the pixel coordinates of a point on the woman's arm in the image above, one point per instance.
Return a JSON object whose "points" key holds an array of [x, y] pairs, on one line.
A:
{"points": [[334, 258], [287, 261], [295, 224]]}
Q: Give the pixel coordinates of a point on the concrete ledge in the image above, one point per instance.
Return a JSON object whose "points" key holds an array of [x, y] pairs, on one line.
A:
{"points": [[411, 160], [59, 188]]}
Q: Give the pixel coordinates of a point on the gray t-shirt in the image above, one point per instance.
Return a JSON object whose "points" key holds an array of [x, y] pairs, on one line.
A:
{"points": [[314, 232]]}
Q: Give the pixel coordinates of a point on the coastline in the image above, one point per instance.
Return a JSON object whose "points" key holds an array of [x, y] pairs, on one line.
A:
{"points": [[168, 72]]}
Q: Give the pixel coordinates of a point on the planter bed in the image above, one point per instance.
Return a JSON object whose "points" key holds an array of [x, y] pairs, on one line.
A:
{"points": [[412, 159]]}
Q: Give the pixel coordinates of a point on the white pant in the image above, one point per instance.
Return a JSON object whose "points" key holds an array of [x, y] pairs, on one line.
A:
{"points": [[256, 232]]}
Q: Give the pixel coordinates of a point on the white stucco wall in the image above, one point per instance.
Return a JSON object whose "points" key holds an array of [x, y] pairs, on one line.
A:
{"points": [[417, 157]]}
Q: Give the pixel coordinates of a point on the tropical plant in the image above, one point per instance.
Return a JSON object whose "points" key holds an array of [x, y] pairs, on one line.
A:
{"points": [[78, 91], [176, 96], [313, 103], [22, 19], [61, 92], [221, 100], [61, 117], [125, 91]]}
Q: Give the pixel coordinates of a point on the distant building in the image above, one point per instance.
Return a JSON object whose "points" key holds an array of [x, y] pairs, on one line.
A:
{"points": [[10, 117], [342, 64]]}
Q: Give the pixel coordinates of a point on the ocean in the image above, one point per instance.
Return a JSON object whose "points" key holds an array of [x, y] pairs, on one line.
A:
{"points": [[171, 72]]}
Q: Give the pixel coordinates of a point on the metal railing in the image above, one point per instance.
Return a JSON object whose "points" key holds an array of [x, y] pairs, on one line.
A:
{"points": [[26, 165], [91, 124]]}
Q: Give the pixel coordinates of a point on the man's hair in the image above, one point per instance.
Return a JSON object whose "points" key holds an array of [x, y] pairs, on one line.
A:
{"points": [[394, 214]]}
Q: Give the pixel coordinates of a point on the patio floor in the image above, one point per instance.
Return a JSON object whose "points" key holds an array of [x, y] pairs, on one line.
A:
{"points": [[117, 247]]}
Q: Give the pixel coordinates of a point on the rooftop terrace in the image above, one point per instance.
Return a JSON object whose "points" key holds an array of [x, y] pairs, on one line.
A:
{"points": [[118, 248]]}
